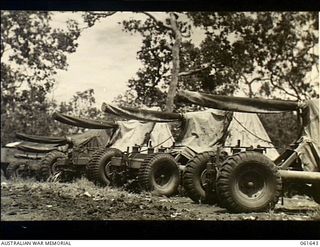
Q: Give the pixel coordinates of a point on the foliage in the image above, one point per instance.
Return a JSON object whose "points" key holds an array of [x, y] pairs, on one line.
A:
{"points": [[266, 53], [159, 55], [80, 105], [282, 128], [129, 98], [31, 53]]}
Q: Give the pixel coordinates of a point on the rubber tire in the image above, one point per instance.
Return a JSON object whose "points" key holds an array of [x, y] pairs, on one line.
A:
{"points": [[45, 171], [192, 179], [95, 169], [147, 171], [316, 192], [228, 188]]}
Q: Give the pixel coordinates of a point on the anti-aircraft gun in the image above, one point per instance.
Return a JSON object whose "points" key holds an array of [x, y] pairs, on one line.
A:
{"points": [[134, 140], [249, 181], [21, 158], [72, 161], [201, 133]]}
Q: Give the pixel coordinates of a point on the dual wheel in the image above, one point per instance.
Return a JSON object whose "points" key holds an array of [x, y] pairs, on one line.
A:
{"points": [[159, 173], [245, 182], [50, 170], [99, 169]]}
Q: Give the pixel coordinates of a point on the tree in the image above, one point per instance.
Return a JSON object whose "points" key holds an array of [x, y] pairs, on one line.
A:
{"points": [[282, 129], [163, 62], [170, 60], [31, 53], [265, 54], [269, 53], [80, 105]]}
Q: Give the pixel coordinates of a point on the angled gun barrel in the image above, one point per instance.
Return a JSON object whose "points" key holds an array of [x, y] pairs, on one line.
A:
{"points": [[141, 114], [84, 123], [238, 104], [43, 139]]}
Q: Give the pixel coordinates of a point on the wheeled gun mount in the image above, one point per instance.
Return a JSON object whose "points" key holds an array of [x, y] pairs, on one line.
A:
{"points": [[257, 105]]}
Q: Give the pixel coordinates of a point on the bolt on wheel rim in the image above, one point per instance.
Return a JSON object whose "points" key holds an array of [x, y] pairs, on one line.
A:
{"points": [[162, 176], [204, 178], [251, 184]]}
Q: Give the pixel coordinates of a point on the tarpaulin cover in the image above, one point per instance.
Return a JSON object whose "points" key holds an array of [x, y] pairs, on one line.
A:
{"points": [[141, 114], [201, 132], [84, 123], [248, 128], [100, 137], [42, 139], [95, 138], [239, 104], [161, 135], [133, 132], [310, 152]]}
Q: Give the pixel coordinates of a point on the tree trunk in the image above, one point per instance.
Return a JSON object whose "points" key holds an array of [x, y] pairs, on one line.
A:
{"points": [[175, 64]]}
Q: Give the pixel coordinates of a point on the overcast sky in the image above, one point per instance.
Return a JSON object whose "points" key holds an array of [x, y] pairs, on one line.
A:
{"points": [[105, 58]]}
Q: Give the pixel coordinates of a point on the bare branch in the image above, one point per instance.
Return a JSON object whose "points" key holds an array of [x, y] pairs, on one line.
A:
{"points": [[158, 22], [104, 14], [97, 16], [294, 88], [259, 79], [249, 83], [194, 71], [282, 89]]}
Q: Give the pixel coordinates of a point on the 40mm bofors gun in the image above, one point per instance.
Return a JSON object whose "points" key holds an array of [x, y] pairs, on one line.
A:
{"points": [[72, 160], [22, 158], [249, 181], [133, 141]]}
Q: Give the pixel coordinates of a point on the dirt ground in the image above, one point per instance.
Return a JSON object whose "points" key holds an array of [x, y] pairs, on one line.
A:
{"points": [[25, 200]]}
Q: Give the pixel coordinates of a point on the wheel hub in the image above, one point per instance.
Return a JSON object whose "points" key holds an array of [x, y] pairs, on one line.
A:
{"points": [[204, 179], [251, 184], [162, 176], [55, 168], [108, 169]]}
